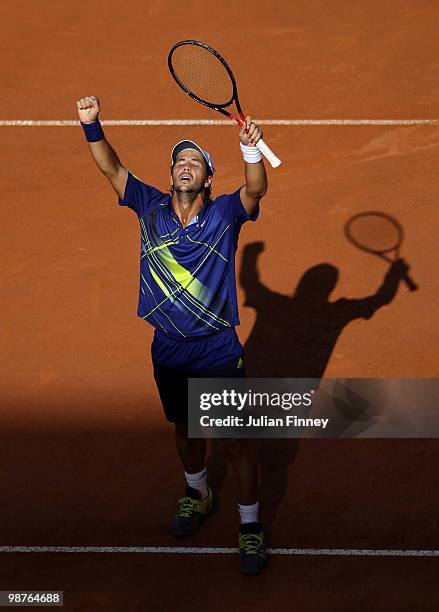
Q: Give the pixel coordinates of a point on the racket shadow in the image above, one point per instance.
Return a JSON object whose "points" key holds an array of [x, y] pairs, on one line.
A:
{"points": [[294, 337], [379, 234]]}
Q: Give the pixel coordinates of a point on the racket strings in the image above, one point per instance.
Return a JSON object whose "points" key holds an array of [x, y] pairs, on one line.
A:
{"points": [[203, 74], [375, 233]]}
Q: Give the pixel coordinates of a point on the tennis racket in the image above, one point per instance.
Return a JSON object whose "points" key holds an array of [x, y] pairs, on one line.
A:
{"points": [[379, 234], [206, 77]]}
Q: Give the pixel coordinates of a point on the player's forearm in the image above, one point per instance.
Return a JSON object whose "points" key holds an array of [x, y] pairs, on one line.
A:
{"points": [[255, 175], [256, 179], [105, 157], [103, 153]]}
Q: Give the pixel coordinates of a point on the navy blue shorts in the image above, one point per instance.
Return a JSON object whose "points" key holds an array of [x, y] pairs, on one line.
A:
{"points": [[173, 385], [197, 353]]}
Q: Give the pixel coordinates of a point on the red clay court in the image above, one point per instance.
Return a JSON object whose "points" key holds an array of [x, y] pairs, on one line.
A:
{"points": [[348, 96]]}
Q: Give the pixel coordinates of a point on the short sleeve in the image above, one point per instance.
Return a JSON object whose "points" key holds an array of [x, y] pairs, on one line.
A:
{"points": [[231, 207], [141, 197]]}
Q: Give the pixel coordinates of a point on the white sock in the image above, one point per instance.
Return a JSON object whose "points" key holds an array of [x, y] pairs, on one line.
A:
{"points": [[249, 514], [198, 481]]}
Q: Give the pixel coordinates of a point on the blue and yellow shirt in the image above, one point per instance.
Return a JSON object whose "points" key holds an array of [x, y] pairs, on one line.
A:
{"points": [[187, 274]]}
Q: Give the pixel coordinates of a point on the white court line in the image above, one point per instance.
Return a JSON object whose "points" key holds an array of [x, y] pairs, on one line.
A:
{"points": [[331, 552], [164, 122]]}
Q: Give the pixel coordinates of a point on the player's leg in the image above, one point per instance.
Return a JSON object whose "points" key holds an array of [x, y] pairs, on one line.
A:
{"points": [[243, 468], [192, 451], [241, 458], [172, 386], [199, 500]]}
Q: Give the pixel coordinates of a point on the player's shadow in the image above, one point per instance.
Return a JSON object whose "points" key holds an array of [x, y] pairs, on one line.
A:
{"points": [[294, 337]]}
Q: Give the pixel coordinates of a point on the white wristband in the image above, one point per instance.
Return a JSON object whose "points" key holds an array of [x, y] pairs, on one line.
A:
{"points": [[251, 155]]}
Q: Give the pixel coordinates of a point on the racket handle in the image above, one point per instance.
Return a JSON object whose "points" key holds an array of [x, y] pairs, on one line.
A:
{"points": [[268, 153], [412, 286]]}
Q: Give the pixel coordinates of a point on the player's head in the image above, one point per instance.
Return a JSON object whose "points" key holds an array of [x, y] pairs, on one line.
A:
{"points": [[317, 283], [191, 168]]}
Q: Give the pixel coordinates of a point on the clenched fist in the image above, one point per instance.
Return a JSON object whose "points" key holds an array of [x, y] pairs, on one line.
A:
{"points": [[88, 109]]}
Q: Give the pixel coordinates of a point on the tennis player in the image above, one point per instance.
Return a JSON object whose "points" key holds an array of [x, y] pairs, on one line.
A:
{"points": [[188, 294]]}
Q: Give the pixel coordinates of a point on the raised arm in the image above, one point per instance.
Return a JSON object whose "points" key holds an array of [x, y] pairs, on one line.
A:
{"points": [[103, 153], [255, 176], [366, 307]]}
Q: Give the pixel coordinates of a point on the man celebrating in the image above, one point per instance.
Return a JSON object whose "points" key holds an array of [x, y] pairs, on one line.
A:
{"points": [[188, 293]]}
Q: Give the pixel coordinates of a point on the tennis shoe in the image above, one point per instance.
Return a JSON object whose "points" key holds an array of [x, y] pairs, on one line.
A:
{"points": [[192, 512], [252, 554]]}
